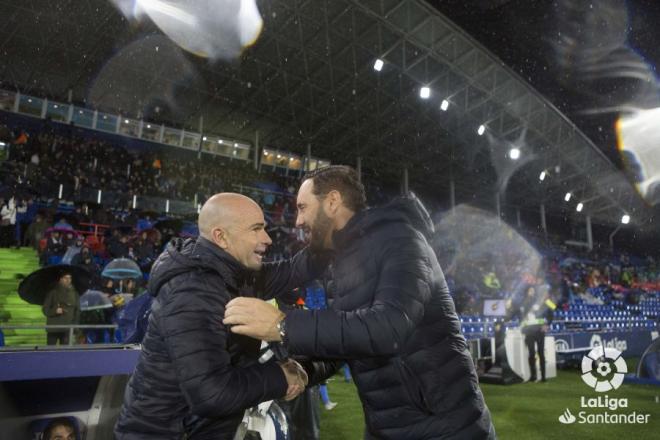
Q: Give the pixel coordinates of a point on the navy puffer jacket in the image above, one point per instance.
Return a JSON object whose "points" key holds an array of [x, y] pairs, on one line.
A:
{"points": [[194, 378], [393, 319]]}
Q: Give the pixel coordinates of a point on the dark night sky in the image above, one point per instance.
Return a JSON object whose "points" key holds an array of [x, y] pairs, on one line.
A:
{"points": [[523, 34]]}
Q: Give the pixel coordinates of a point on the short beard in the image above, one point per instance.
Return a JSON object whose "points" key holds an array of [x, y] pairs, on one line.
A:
{"points": [[322, 226]]}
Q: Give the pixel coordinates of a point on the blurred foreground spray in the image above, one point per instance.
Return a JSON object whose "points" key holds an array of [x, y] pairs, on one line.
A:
{"points": [[472, 245], [215, 29], [596, 60]]}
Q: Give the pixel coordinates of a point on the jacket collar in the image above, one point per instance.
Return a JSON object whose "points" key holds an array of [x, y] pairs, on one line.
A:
{"points": [[353, 229], [233, 272]]}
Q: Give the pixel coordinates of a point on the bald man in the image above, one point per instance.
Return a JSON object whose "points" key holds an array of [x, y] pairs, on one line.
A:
{"points": [[194, 378]]}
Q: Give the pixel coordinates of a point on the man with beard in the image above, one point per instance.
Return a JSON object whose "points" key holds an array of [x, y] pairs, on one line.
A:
{"points": [[392, 318], [194, 379]]}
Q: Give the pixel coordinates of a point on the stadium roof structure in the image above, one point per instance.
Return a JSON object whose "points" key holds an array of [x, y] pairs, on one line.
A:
{"points": [[310, 79]]}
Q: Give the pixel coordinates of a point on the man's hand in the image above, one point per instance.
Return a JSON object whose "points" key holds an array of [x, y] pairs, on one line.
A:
{"points": [[296, 378], [59, 311], [253, 317]]}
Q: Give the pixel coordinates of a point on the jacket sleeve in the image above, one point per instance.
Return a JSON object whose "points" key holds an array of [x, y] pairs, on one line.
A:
{"points": [[76, 311], [190, 322], [320, 370], [49, 307], [381, 329], [277, 280]]}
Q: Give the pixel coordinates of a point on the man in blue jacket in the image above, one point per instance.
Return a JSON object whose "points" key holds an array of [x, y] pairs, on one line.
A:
{"points": [[392, 318], [194, 379]]}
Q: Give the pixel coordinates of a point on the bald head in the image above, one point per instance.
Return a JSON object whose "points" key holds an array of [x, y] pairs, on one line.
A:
{"points": [[236, 224], [224, 210]]}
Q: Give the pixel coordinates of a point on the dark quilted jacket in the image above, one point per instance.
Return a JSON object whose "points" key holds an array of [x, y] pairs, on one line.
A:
{"points": [[193, 377], [393, 319]]}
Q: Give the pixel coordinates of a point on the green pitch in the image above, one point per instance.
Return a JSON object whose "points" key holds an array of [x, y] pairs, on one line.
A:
{"points": [[15, 263], [521, 412]]}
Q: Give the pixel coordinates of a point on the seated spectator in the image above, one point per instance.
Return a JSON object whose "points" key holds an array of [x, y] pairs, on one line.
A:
{"points": [[61, 428], [22, 138], [85, 259], [108, 287], [68, 239], [594, 279], [144, 248], [118, 248], [54, 247], [133, 287], [73, 249], [63, 224], [131, 253]]}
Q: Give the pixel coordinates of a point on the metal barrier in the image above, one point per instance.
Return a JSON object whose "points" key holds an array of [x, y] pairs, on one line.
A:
{"points": [[70, 328]]}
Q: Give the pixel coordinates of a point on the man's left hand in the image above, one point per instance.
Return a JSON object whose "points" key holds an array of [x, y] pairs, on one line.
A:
{"points": [[253, 317]]}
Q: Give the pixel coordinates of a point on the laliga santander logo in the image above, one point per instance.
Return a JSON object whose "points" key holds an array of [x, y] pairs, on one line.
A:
{"points": [[603, 369]]}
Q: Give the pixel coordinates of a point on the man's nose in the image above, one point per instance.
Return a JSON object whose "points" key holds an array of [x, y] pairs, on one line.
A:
{"points": [[300, 221], [266, 239]]}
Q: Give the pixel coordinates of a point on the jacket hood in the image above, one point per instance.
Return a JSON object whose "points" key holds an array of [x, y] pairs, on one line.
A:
{"points": [[194, 254], [408, 209]]}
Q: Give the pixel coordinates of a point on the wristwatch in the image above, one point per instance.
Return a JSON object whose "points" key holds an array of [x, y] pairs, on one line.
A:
{"points": [[281, 328]]}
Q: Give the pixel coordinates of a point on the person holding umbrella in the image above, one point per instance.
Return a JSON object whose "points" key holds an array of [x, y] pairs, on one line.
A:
{"points": [[61, 307]]}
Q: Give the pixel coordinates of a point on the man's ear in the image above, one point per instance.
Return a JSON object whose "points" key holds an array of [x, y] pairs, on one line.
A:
{"points": [[334, 201], [220, 237]]}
